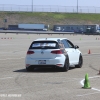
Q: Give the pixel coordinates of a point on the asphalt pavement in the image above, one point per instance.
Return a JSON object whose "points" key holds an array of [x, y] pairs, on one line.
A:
{"points": [[47, 83]]}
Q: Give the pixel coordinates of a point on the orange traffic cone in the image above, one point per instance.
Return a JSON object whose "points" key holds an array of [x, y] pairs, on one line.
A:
{"points": [[89, 52]]}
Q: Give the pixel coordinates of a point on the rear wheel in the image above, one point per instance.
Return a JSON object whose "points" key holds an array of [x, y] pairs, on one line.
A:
{"points": [[80, 62], [66, 65]]}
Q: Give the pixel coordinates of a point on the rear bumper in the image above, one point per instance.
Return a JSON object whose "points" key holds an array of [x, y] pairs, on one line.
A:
{"points": [[49, 62], [43, 66]]}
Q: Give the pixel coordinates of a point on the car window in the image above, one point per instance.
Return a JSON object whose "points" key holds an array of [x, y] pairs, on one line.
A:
{"points": [[70, 44], [65, 43], [44, 45], [61, 45]]}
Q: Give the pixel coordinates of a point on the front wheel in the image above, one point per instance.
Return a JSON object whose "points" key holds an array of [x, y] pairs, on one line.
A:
{"points": [[66, 65], [80, 62]]}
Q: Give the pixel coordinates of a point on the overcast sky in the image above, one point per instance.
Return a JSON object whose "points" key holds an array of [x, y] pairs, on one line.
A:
{"points": [[95, 3]]}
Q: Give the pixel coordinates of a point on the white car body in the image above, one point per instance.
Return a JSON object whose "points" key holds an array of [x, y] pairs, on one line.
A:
{"points": [[52, 57]]}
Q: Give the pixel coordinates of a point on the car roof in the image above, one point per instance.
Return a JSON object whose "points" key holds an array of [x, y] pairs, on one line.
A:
{"points": [[50, 39]]}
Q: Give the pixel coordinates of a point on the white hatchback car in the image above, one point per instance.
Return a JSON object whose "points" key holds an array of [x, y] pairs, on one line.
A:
{"points": [[53, 52]]}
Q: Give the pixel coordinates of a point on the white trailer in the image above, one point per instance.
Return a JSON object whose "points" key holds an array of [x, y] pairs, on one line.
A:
{"points": [[32, 26]]}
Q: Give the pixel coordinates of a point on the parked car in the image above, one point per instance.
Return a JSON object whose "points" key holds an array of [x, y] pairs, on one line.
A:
{"points": [[53, 52]]}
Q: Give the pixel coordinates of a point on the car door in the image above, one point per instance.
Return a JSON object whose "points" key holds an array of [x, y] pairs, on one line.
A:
{"points": [[72, 52]]}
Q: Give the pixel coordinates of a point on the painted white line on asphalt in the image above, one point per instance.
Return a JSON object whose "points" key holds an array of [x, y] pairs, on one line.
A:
{"points": [[95, 89], [88, 94], [10, 77], [82, 82], [1, 52], [12, 58], [15, 89], [10, 89], [5, 78]]}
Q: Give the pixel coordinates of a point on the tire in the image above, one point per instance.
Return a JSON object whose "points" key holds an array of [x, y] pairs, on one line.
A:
{"points": [[66, 65], [80, 63]]}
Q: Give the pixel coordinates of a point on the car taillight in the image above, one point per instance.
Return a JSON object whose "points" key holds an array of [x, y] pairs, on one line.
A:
{"points": [[56, 52], [30, 52]]}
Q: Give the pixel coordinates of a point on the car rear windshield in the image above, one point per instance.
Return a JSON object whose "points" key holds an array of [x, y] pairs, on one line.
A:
{"points": [[44, 45]]}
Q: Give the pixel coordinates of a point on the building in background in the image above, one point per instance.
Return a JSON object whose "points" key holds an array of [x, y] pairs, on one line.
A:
{"points": [[88, 29], [77, 28]]}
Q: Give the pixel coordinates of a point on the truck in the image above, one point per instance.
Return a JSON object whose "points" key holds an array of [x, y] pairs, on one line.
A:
{"points": [[41, 27]]}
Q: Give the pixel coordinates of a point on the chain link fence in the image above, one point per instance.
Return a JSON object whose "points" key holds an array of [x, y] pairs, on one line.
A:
{"points": [[49, 8]]}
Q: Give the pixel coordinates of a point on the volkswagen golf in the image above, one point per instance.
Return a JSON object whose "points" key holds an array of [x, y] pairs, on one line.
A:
{"points": [[53, 52]]}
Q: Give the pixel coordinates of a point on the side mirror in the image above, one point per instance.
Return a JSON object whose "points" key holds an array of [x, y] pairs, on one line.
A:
{"points": [[76, 46]]}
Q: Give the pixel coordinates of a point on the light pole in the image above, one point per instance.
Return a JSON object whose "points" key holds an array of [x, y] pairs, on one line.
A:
{"points": [[32, 5], [77, 6]]}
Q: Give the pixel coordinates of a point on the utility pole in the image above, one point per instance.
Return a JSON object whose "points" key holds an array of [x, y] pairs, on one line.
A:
{"points": [[32, 5], [77, 6]]}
